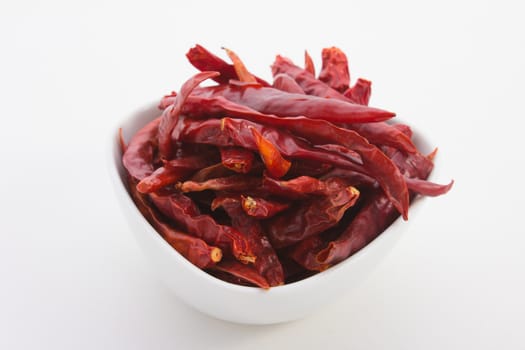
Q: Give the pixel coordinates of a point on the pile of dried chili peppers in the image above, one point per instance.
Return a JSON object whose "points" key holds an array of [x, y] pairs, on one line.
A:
{"points": [[263, 184]]}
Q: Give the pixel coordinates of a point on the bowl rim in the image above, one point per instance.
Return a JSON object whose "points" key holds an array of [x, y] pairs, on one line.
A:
{"points": [[289, 288]]}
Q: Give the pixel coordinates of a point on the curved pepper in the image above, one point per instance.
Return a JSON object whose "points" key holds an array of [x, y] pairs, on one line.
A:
{"points": [[138, 157], [273, 101], [309, 84], [237, 159], [204, 60], [192, 248], [267, 263], [334, 71], [286, 83], [312, 216], [183, 211], [171, 114]]}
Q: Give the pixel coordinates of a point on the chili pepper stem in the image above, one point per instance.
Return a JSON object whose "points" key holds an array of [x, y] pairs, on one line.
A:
{"points": [[216, 254], [247, 259]]}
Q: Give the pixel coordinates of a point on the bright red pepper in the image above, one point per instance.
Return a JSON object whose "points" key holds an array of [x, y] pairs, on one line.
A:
{"points": [[335, 72]]}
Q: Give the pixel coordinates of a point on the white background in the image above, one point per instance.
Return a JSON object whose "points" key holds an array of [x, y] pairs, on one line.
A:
{"points": [[72, 277]]}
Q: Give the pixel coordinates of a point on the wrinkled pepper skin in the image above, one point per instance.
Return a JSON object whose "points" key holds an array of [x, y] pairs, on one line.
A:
{"points": [[373, 219], [309, 84], [360, 92], [335, 72], [286, 83], [204, 60], [273, 101], [375, 162], [261, 208], [139, 155], [237, 159], [267, 263], [184, 212], [192, 248], [312, 216]]}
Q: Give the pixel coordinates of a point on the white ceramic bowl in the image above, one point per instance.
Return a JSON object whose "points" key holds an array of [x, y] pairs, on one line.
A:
{"points": [[238, 303]]}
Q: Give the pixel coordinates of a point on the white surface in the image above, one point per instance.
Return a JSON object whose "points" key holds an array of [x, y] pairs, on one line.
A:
{"points": [[71, 275]]}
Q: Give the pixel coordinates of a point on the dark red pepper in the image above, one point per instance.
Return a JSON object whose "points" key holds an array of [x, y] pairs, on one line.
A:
{"points": [[247, 273], [192, 248], [371, 220], [312, 216], [305, 79], [267, 263], [171, 114], [204, 60], [237, 159], [231, 183], [172, 172], [184, 212], [140, 152], [273, 101], [261, 208], [375, 162], [292, 158]]}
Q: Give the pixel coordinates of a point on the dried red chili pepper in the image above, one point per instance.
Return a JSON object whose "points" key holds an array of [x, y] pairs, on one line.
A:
{"points": [[334, 71], [245, 272], [237, 132], [384, 134], [308, 168], [376, 164], [192, 248], [427, 188], [230, 183], [309, 63], [273, 101], [276, 165], [172, 172], [171, 114], [161, 177], [305, 252], [241, 70], [309, 84], [211, 172], [237, 159], [296, 188], [183, 211], [204, 60], [267, 263], [360, 92], [296, 131], [312, 216], [139, 155], [261, 208], [286, 83], [371, 220]]}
